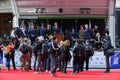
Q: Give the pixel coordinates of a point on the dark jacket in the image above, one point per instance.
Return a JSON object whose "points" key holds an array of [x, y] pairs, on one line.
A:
{"points": [[107, 44], [22, 35], [88, 50], [87, 33], [54, 50], [31, 32], [56, 30], [42, 31], [65, 54], [39, 48]]}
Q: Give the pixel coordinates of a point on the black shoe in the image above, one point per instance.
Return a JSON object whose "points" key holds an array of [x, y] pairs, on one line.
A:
{"points": [[87, 69], [30, 69], [77, 71], [34, 69], [81, 70], [107, 72], [14, 68], [58, 70], [74, 73], [64, 72], [52, 74]]}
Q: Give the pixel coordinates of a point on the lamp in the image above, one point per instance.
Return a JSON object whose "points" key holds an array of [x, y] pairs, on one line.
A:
{"points": [[85, 10]]}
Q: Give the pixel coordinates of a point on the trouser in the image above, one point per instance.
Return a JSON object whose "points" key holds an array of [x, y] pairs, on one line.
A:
{"points": [[87, 62], [76, 63], [24, 59], [1, 56], [8, 63], [81, 63], [48, 63], [32, 39], [30, 54], [41, 63], [54, 65], [35, 62], [107, 63], [13, 62], [13, 59], [64, 66], [59, 64]]}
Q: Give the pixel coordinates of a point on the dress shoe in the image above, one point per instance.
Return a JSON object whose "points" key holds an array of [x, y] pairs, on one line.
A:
{"points": [[107, 72]]}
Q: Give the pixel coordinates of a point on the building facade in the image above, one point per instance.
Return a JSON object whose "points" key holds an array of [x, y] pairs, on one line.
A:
{"points": [[92, 12]]}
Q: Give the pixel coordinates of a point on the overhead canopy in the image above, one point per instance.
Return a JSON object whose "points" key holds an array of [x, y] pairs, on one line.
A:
{"points": [[64, 7], [57, 7], [5, 6]]}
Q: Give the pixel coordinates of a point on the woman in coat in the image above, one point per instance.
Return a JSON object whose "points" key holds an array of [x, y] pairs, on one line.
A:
{"points": [[65, 55]]}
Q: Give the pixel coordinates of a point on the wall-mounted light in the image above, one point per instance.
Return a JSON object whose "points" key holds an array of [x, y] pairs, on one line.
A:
{"points": [[84, 10], [60, 10], [40, 10], [10, 21]]}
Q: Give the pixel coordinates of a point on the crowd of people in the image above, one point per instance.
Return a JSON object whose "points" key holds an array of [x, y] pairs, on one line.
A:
{"points": [[52, 50]]}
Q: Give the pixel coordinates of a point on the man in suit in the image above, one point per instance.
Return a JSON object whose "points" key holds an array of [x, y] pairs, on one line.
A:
{"points": [[23, 32], [54, 56], [105, 47], [32, 34], [87, 32]]}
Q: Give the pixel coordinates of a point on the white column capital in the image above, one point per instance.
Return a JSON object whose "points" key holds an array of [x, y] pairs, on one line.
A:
{"points": [[15, 21], [111, 24]]}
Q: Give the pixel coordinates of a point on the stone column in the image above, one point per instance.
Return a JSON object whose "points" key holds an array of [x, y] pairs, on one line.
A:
{"points": [[111, 21], [15, 21], [15, 13]]}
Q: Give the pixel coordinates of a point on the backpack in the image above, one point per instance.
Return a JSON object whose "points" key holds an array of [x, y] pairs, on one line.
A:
{"points": [[24, 48], [45, 48]]}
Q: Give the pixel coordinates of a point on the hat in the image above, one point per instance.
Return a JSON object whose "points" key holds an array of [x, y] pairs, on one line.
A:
{"points": [[41, 38]]}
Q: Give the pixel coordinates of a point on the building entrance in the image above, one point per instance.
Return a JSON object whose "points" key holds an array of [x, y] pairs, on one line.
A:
{"points": [[67, 24]]}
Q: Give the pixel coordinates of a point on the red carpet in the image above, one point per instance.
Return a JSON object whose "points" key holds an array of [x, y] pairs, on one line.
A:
{"points": [[86, 75]]}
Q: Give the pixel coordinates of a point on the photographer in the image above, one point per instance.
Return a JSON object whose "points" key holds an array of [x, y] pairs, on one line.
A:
{"points": [[54, 53], [106, 47]]}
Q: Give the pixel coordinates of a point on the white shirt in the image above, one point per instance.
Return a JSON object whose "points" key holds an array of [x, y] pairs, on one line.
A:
{"points": [[12, 34]]}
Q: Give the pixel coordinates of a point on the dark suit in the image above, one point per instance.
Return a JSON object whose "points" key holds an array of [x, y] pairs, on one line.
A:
{"points": [[56, 30], [32, 35], [43, 32], [87, 34], [23, 34]]}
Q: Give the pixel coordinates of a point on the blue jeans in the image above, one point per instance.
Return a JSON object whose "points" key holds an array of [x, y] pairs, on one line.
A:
{"points": [[35, 63], [8, 63], [48, 63], [54, 65]]}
